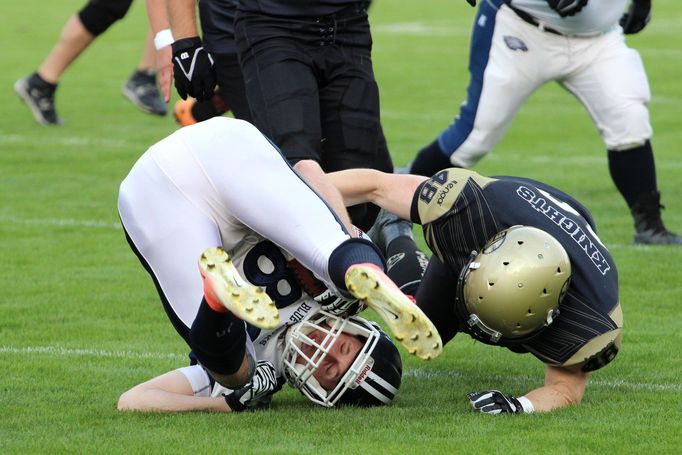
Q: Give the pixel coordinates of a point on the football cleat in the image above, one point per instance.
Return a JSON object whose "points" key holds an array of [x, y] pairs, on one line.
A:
{"points": [[407, 321], [649, 226], [224, 287], [183, 112], [39, 99], [142, 91]]}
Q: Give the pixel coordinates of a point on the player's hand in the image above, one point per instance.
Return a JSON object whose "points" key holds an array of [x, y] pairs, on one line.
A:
{"points": [[257, 392], [471, 2], [638, 15], [495, 402], [567, 7], [164, 71], [338, 306], [193, 69]]}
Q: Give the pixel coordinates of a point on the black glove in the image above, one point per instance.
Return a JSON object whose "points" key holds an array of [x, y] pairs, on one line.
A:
{"points": [[257, 392], [338, 306], [567, 7], [637, 17], [193, 69], [471, 2], [495, 402]]}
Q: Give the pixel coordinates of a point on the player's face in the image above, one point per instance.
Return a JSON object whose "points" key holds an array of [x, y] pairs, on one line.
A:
{"points": [[337, 361]]}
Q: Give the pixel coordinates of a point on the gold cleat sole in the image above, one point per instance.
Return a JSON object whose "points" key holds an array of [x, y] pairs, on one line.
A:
{"points": [[223, 283], [407, 321]]}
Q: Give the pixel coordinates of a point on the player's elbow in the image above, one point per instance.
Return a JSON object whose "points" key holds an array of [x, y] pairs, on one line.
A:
{"points": [[572, 397], [568, 393], [129, 401]]}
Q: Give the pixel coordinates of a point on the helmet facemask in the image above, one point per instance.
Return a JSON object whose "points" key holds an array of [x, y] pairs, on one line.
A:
{"points": [[510, 291], [361, 384]]}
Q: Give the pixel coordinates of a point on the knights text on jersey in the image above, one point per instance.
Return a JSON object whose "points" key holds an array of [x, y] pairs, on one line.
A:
{"points": [[460, 210]]}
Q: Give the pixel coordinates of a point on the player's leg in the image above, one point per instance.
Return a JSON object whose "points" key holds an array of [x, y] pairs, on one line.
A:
{"points": [[38, 89], [506, 66], [613, 86], [257, 187], [263, 192], [349, 108], [169, 233], [280, 83]]}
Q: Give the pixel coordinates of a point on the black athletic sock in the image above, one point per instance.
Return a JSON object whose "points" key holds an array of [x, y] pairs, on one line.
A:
{"points": [[218, 340], [406, 264], [633, 171], [352, 251], [430, 160]]}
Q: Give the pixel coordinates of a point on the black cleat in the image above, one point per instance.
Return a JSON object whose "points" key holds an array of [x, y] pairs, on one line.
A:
{"points": [[39, 97], [142, 91], [648, 223]]}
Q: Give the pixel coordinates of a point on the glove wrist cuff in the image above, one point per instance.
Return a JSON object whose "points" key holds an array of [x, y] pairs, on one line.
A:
{"points": [[186, 43], [526, 405], [234, 403]]}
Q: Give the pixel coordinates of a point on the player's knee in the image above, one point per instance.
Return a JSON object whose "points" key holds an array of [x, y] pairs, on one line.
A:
{"points": [[467, 156], [466, 146], [98, 15], [630, 129]]}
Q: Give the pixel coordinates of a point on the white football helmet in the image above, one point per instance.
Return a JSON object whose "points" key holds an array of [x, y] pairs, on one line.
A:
{"points": [[372, 379]]}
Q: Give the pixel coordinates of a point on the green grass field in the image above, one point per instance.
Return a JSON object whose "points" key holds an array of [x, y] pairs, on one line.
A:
{"points": [[80, 321]]}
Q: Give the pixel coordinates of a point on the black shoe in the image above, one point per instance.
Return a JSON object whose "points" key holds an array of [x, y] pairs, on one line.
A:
{"points": [[648, 223], [39, 97], [142, 91], [387, 228]]}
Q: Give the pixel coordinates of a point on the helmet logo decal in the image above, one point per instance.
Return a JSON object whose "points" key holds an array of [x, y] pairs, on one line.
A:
{"points": [[363, 373]]}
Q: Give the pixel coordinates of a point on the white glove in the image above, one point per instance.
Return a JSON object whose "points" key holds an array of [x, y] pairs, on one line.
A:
{"points": [[496, 402]]}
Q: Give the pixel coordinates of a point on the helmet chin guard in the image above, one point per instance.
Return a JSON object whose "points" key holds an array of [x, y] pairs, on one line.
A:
{"points": [[372, 379], [510, 291]]}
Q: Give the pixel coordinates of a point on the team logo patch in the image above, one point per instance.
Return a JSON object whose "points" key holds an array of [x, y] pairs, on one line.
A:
{"points": [[515, 43]]}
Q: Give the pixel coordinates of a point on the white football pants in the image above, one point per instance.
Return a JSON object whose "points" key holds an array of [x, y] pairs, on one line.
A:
{"points": [[215, 184]]}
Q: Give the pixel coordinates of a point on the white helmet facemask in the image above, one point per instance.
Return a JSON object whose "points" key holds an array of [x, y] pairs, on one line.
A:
{"points": [[299, 367]]}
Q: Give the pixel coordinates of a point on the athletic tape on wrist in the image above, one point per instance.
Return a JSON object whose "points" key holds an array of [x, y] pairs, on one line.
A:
{"points": [[526, 404], [163, 38]]}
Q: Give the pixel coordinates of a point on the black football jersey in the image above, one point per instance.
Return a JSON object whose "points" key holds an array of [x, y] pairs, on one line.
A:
{"points": [[460, 210]]}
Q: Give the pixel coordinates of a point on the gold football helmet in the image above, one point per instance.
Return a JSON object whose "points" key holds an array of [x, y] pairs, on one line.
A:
{"points": [[512, 289]]}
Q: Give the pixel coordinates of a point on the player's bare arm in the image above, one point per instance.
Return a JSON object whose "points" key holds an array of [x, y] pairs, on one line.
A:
{"points": [[182, 16], [563, 387], [170, 392], [311, 172], [392, 192], [163, 38]]}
